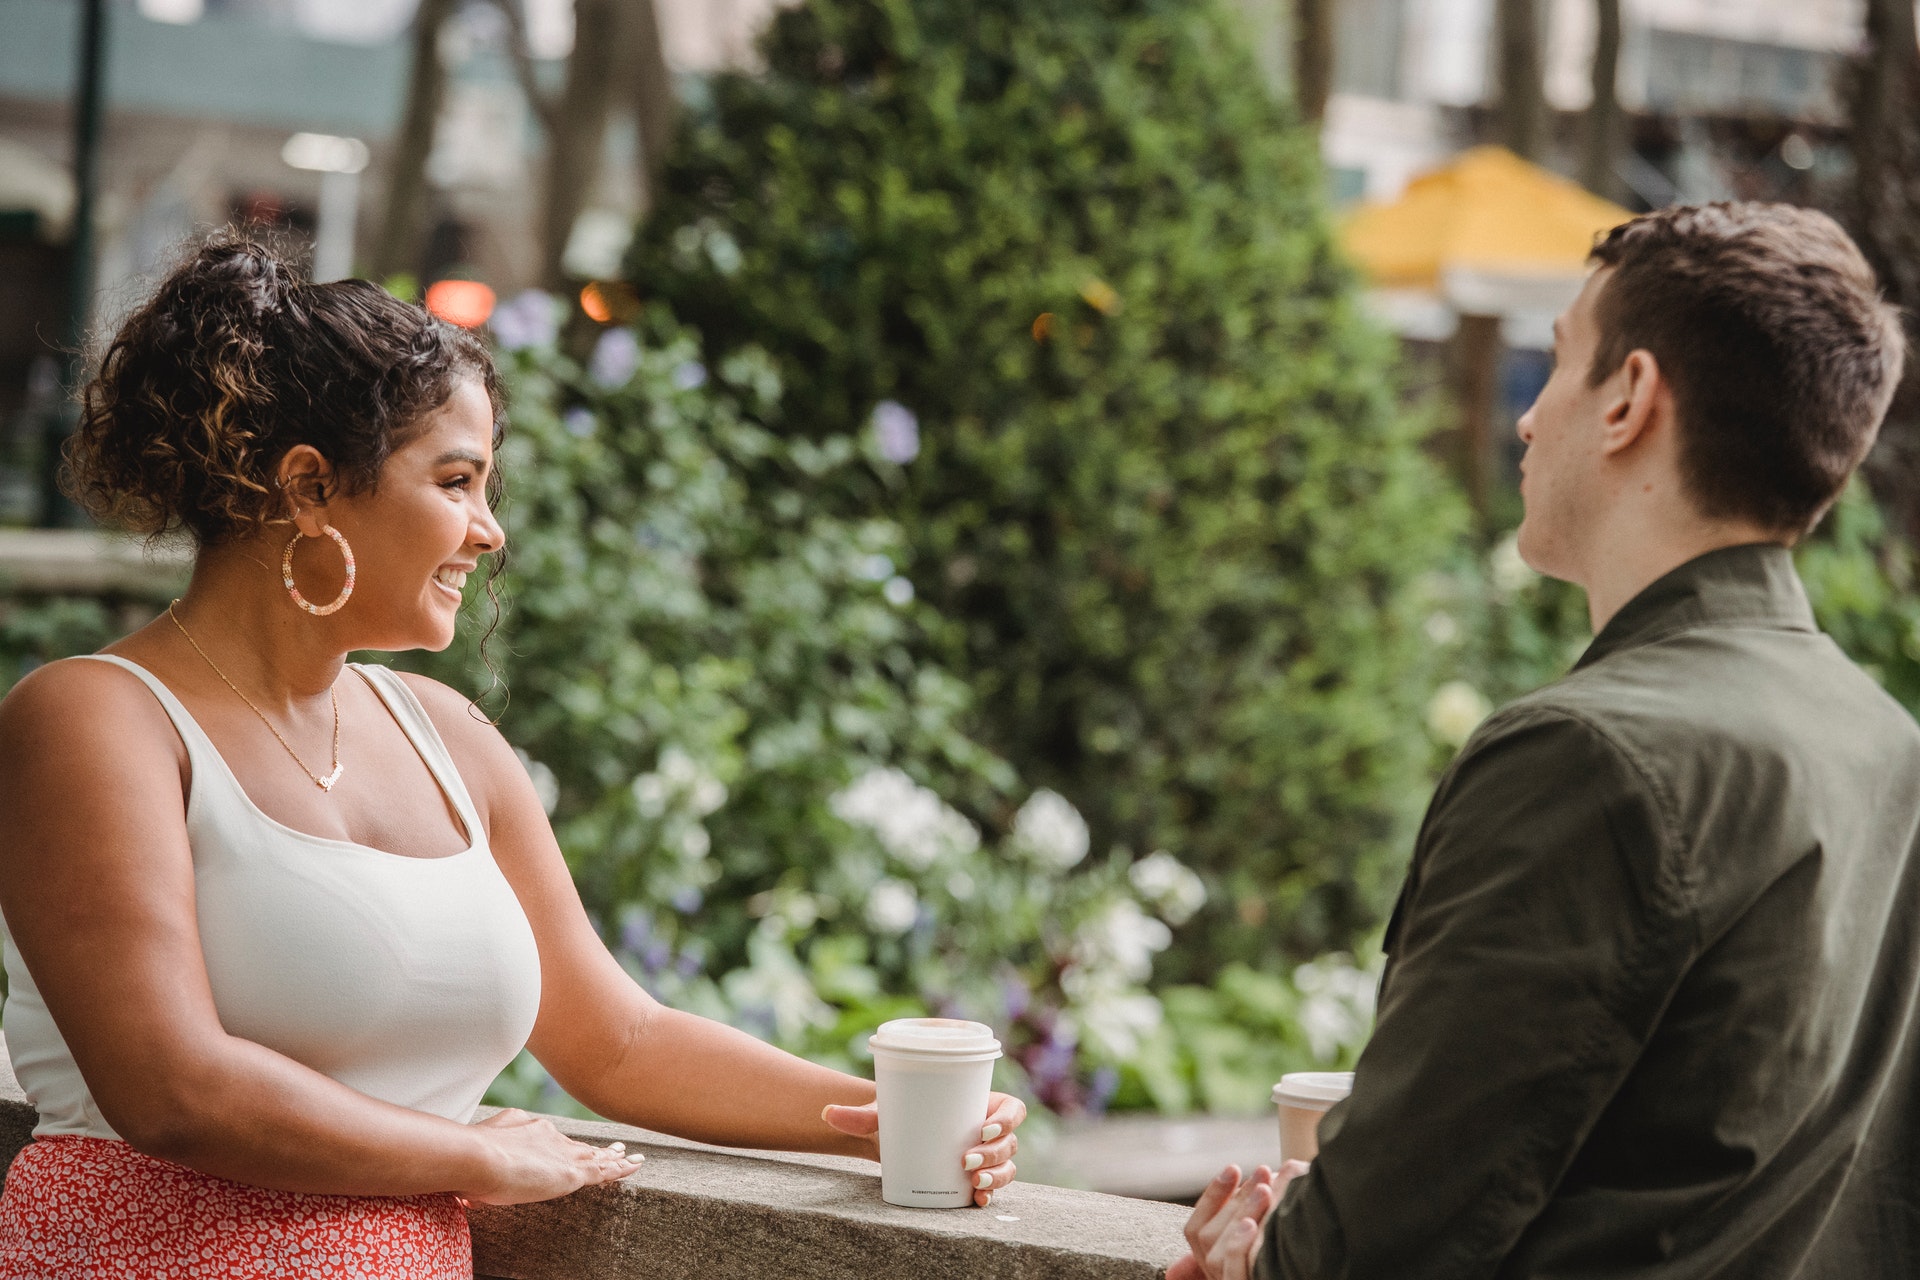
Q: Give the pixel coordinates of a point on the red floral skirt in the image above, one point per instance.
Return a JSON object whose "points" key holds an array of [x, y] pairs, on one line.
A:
{"points": [[93, 1209]]}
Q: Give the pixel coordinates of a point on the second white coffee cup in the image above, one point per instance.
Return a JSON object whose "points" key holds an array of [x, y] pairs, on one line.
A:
{"points": [[933, 1077], [1303, 1097]]}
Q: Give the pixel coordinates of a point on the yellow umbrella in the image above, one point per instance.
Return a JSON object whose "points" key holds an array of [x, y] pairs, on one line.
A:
{"points": [[1489, 213]]}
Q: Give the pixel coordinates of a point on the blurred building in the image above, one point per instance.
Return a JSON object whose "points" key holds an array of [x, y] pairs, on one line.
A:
{"points": [[201, 99], [1714, 91]]}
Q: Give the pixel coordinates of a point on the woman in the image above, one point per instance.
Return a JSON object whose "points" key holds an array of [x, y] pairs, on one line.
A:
{"points": [[274, 920]]}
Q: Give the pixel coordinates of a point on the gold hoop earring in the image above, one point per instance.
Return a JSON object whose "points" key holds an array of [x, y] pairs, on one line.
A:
{"points": [[286, 573]]}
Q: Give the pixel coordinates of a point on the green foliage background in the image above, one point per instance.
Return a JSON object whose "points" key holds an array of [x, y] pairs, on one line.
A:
{"points": [[1165, 498]]}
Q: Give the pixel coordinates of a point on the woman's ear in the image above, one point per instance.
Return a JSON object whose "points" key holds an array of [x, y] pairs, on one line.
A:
{"points": [[308, 482]]}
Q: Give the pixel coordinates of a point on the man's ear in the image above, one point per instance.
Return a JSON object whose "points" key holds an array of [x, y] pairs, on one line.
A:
{"points": [[1638, 399], [308, 481]]}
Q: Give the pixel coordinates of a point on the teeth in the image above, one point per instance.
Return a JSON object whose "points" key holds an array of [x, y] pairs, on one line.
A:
{"points": [[450, 578]]}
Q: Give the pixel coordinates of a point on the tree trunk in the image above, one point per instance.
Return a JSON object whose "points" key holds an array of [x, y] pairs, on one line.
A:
{"points": [[398, 248], [1599, 168], [1312, 57], [1886, 147], [1523, 114], [656, 107], [579, 130], [1475, 369]]}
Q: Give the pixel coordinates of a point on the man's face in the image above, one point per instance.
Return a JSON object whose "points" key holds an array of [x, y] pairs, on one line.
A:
{"points": [[1560, 475]]}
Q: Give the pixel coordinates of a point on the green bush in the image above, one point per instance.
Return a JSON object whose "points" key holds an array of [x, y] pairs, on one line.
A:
{"points": [[1068, 265], [762, 789]]}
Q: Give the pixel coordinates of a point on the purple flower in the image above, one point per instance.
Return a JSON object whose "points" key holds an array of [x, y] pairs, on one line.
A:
{"points": [[689, 963], [687, 900], [689, 375], [578, 421], [1015, 997], [528, 319], [615, 357], [636, 933], [1100, 1089], [896, 431], [656, 956]]}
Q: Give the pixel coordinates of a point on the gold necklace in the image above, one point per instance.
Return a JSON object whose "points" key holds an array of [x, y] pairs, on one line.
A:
{"points": [[326, 783]]}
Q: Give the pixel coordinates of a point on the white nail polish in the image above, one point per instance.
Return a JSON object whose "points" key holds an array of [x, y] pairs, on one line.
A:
{"points": [[983, 1180], [989, 1133], [974, 1161], [634, 1157]]}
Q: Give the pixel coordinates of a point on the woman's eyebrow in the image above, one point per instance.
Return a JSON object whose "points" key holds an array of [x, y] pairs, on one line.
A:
{"points": [[461, 455]]}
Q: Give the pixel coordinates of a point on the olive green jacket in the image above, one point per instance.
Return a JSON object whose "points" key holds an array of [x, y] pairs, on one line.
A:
{"points": [[1650, 996]]}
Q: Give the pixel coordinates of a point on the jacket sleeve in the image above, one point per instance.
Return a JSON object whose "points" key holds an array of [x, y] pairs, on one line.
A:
{"points": [[1542, 930]]}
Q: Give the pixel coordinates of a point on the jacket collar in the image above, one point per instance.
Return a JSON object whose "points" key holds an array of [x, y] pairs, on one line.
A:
{"points": [[1752, 585]]}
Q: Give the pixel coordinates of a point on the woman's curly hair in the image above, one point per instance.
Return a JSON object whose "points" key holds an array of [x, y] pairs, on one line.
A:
{"points": [[235, 360]]}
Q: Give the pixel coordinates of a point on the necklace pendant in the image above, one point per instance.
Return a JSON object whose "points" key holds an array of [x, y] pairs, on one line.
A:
{"points": [[326, 783]]}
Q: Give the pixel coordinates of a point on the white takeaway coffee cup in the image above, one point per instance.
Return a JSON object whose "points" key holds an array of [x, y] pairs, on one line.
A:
{"points": [[933, 1077], [1303, 1097]]}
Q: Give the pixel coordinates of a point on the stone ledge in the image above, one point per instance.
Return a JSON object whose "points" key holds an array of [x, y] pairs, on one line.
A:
{"points": [[695, 1210]]}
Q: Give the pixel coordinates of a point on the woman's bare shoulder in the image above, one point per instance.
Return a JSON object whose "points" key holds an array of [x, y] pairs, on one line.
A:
{"points": [[80, 703]]}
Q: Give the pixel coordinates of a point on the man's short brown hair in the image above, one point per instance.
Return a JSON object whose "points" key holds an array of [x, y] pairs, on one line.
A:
{"points": [[1769, 325]]}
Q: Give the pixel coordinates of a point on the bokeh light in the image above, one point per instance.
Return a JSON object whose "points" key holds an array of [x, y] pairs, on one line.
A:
{"points": [[466, 303]]}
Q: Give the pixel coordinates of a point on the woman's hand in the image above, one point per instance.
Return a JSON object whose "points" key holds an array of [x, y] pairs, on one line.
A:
{"points": [[535, 1161], [1224, 1230], [989, 1162]]}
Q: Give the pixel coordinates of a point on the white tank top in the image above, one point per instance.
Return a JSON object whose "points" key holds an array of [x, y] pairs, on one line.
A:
{"points": [[412, 980]]}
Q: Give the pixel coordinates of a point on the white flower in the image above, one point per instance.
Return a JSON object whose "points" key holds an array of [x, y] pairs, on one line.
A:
{"points": [[545, 785], [912, 823], [689, 375], [1116, 1022], [1441, 628], [1121, 940], [1456, 711], [695, 842], [1174, 890], [874, 568], [960, 885], [678, 778], [898, 591], [1337, 1006], [897, 431], [775, 981], [1051, 829], [892, 907], [1510, 572], [650, 793]]}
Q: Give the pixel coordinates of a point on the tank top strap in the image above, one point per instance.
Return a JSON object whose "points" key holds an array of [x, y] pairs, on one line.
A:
{"points": [[418, 726]]}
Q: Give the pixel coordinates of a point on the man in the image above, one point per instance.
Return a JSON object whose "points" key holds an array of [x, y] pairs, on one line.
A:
{"points": [[1650, 1005]]}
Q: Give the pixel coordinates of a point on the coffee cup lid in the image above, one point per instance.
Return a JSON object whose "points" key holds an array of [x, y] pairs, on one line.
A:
{"points": [[935, 1038], [1322, 1088]]}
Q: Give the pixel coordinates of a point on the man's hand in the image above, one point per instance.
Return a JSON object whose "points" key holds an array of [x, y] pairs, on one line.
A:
{"points": [[1223, 1234]]}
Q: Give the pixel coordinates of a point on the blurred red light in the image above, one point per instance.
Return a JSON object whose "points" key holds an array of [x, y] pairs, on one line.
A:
{"points": [[466, 303]]}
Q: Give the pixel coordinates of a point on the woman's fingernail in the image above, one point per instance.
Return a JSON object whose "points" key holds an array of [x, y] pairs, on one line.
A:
{"points": [[634, 1157], [983, 1180], [616, 1146], [991, 1132], [974, 1160]]}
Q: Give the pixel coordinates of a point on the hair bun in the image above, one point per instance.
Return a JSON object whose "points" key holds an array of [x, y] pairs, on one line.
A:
{"points": [[242, 274]]}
